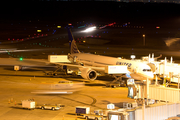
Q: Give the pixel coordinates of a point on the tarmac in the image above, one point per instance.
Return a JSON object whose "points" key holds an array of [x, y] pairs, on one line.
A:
{"points": [[18, 85]]}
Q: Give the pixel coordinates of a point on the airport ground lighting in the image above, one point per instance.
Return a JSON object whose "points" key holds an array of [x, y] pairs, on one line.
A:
{"points": [[20, 58], [144, 39]]}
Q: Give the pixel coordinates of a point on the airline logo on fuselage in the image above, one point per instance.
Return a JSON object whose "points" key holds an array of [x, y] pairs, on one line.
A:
{"points": [[124, 63]]}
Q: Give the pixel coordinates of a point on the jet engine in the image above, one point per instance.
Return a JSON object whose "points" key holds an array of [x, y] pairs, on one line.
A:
{"points": [[88, 73]]}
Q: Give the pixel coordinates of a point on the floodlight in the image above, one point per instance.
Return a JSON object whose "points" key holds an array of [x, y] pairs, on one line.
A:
{"points": [[90, 29]]}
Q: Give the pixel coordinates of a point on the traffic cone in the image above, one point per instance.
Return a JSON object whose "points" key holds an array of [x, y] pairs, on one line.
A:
{"points": [[9, 101], [15, 103], [30, 79], [63, 117]]}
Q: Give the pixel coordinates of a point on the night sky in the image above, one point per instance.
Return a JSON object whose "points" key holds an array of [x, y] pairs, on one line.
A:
{"points": [[21, 19], [97, 11]]}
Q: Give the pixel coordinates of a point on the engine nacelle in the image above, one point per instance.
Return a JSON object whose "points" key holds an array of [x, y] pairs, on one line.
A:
{"points": [[88, 74]]}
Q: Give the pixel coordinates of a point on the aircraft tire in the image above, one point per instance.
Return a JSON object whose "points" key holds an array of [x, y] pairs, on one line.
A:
{"points": [[96, 118], [86, 118]]}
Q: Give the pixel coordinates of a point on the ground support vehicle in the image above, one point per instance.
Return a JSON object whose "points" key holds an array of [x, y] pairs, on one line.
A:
{"points": [[82, 110], [114, 85], [28, 104], [94, 117], [121, 83], [50, 107], [97, 115]]}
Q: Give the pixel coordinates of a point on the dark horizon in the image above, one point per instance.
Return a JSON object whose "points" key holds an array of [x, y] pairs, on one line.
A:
{"points": [[101, 11]]}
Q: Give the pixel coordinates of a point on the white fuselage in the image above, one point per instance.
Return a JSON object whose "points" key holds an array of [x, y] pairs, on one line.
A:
{"points": [[138, 69]]}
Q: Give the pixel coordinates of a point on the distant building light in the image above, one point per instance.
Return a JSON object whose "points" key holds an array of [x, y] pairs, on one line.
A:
{"points": [[58, 26], [157, 27], [38, 30], [133, 56]]}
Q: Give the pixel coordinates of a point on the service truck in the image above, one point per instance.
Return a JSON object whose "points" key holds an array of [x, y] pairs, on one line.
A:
{"points": [[97, 115], [50, 107], [94, 117], [28, 104], [82, 110]]}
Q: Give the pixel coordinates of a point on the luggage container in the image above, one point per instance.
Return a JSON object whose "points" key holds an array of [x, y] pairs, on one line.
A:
{"points": [[28, 104]]}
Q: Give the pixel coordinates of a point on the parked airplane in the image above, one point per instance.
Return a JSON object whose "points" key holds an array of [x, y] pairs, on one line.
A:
{"points": [[90, 65]]}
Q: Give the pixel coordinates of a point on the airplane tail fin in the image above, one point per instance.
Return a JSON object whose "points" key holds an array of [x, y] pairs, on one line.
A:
{"points": [[72, 43]]}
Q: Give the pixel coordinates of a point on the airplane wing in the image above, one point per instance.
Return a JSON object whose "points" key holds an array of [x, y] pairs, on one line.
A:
{"points": [[29, 63], [80, 66], [16, 61]]}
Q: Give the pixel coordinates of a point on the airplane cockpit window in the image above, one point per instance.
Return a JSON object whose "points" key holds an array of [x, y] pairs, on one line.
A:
{"points": [[146, 70]]}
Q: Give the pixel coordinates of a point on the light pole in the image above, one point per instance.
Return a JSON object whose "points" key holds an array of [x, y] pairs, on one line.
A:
{"points": [[143, 39], [143, 106]]}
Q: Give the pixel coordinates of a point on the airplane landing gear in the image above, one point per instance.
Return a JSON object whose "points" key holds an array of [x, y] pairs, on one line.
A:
{"points": [[55, 73], [118, 82]]}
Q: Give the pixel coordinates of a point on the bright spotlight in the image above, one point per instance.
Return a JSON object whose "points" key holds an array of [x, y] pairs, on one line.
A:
{"points": [[133, 56], [90, 29]]}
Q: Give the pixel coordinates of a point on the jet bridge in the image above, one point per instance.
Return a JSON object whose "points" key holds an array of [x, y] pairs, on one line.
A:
{"points": [[144, 89], [149, 98], [166, 70]]}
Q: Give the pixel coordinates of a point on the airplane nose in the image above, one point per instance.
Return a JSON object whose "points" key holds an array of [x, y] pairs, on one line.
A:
{"points": [[151, 75]]}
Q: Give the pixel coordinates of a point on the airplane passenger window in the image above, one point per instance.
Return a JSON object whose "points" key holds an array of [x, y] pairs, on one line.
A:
{"points": [[75, 58]]}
